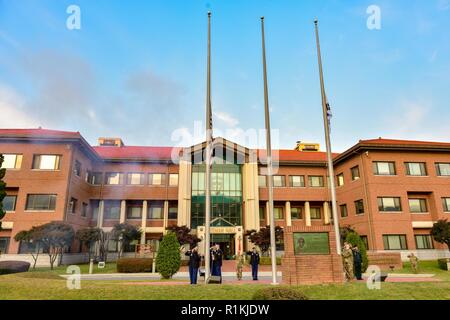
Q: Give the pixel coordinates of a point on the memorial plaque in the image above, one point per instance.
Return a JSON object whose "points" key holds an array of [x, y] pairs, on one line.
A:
{"points": [[311, 243]]}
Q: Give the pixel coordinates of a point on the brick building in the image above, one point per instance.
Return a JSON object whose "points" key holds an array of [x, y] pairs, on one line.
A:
{"points": [[390, 191]]}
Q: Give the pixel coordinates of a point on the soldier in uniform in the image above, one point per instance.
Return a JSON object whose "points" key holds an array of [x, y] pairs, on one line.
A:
{"points": [[216, 260], [347, 255], [254, 262], [239, 266], [357, 261], [414, 262], [194, 264]]}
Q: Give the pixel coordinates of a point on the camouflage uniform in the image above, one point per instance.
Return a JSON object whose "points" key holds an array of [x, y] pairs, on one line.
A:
{"points": [[239, 267], [347, 255], [414, 262]]}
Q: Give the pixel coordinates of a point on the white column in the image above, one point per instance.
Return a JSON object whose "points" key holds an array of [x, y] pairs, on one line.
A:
{"points": [[166, 215], [326, 212], [288, 214], [267, 214], [184, 193], [307, 214], [144, 220], [123, 206], [100, 213]]}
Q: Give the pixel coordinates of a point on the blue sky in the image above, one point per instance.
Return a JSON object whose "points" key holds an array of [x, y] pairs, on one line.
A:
{"points": [[136, 69]]}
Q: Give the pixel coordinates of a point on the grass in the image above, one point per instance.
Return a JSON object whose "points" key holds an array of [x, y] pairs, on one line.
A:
{"points": [[109, 268], [45, 284], [426, 267]]}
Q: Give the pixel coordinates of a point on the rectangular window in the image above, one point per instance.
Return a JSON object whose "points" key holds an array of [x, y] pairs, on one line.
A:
{"points": [[84, 210], [173, 179], [262, 181], [72, 207], [155, 211], [39, 202], [315, 181], [4, 245], [94, 209], [113, 178], [418, 205], [111, 209], [359, 207], [315, 213], [296, 213], [344, 212], [9, 203], [156, 179], [297, 181], [446, 204], [262, 213], [135, 179], [355, 173], [77, 168], [423, 242], [134, 210], [340, 179], [46, 162], [12, 161], [443, 169], [416, 169], [366, 241], [173, 212], [384, 168], [278, 213], [395, 242], [94, 178], [279, 181], [389, 204]]}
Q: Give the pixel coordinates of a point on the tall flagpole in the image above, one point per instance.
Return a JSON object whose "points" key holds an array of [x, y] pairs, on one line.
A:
{"points": [[269, 162], [208, 157], [326, 122]]}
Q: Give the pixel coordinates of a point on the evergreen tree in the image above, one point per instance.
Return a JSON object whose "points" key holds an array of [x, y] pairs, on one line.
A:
{"points": [[354, 239], [168, 260]]}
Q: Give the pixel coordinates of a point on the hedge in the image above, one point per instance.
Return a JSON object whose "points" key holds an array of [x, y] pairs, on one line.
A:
{"points": [[267, 261], [279, 293], [443, 263], [8, 267], [134, 265]]}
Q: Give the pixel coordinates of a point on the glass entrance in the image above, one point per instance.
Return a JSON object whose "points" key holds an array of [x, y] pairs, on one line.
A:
{"points": [[227, 244]]}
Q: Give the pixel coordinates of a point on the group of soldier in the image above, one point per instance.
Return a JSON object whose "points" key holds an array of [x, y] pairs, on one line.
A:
{"points": [[352, 260]]}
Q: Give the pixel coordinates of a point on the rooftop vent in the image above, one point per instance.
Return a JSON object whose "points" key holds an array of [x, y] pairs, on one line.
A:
{"points": [[306, 146], [112, 142]]}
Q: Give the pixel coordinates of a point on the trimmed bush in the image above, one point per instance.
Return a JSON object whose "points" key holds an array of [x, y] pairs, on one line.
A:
{"points": [[267, 261], [279, 293], [443, 264], [168, 260], [134, 265], [8, 267]]}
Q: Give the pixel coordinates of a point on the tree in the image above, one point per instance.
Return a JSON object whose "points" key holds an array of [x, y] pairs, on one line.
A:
{"points": [[55, 237], [344, 231], [355, 240], [103, 243], [184, 235], [125, 233], [31, 236], [441, 232], [261, 238], [168, 260], [2, 190], [89, 236]]}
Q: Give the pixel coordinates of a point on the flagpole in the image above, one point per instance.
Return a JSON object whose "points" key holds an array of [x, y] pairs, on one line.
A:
{"points": [[208, 125], [326, 122], [269, 162]]}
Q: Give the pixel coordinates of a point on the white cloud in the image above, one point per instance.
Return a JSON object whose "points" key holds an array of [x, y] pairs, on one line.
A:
{"points": [[14, 113], [443, 5], [226, 118]]}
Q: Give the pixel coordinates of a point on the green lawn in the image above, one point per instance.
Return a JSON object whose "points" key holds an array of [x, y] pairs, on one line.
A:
{"points": [[45, 284], [109, 268]]}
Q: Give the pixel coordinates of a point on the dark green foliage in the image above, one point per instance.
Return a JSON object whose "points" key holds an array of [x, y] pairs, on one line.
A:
{"points": [[134, 265], [54, 238], [442, 263], [89, 236], [168, 260], [344, 231], [441, 232], [279, 293], [354, 239], [261, 238], [125, 233], [33, 235], [8, 267], [267, 261], [2, 190]]}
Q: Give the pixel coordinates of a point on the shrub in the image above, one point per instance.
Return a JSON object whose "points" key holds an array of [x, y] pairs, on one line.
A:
{"points": [[354, 239], [267, 261], [443, 264], [279, 293], [168, 260], [7, 267], [134, 265]]}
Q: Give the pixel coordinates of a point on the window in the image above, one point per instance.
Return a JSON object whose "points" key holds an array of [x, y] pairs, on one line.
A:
{"points": [[4, 244], [72, 205], [12, 161], [344, 212], [279, 181], [384, 168], [9, 203], [46, 162], [443, 169], [135, 179], [297, 181], [94, 178], [355, 173], [416, 169], [262, 212], [173, 212], [366, 241], [84, 210], [340, 179], [262, 181], [156, 179], [423, 241], [113, 178], [359, 207], [155, 211], [296, 213], [394, 242], [315, 181], [446, 204], [95, 204], [389, 204], [77, 168], [278, 213], [134, 210], [315, 213], [41, 202], [173, 179], [417, 205], [111, 209]]}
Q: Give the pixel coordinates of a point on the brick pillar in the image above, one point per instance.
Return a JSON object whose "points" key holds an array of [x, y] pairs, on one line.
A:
{"points": [[143, 220], [123, 206], [288, 214], [307, 214]]}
